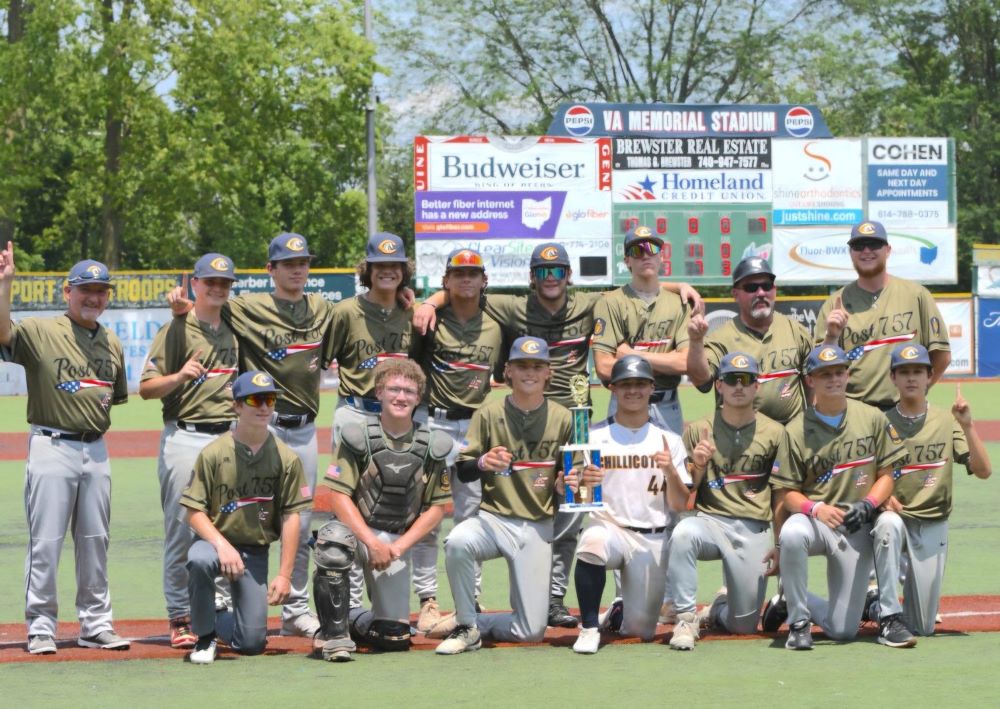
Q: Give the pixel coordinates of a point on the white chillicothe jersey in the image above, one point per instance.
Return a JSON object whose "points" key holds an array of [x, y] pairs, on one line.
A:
{"points": [[633, 490]]}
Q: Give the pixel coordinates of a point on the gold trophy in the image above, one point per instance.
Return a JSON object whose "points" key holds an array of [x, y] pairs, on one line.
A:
{"points": [[586, 499]]}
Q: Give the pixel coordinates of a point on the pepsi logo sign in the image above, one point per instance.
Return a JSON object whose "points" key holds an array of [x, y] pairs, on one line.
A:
{"points": [[578, 120], [799, 122]]}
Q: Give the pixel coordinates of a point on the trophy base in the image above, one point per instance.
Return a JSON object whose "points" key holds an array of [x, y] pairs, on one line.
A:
{"points": [[581, 506]]}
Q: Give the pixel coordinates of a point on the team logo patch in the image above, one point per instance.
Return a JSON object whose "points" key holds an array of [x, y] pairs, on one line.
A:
{"points": [[549, 253], [445, 481], [598, 327], [94, 271], [643, 232], [893, 434], [231, 507], [866, 229], [262, 380], [909, 352], [387, 246], [333, 472], [220, 264], [740, 361], [530, 347], [827, 354], [295, 244]]}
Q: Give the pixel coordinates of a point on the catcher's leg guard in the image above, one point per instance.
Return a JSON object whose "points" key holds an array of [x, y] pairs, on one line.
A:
{"points": [[333, 554]]}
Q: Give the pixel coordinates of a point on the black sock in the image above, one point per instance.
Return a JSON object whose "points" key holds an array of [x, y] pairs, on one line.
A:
{"points": [[589, 580]]}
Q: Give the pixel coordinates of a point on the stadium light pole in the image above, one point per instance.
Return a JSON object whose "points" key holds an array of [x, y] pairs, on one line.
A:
{"points": [[370, 131]]}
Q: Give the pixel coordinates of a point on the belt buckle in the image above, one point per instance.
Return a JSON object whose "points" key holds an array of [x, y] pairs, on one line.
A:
{"points": [[55, 435]]}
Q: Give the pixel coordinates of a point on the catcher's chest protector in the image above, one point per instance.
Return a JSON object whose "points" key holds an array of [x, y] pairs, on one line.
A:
{"points": [[391, 491]]}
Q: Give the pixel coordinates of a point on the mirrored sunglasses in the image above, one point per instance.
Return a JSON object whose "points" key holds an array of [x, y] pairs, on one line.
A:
{"points": [[258, 400], [466, 259], [743, 378], [557, 272], [643, 248]]}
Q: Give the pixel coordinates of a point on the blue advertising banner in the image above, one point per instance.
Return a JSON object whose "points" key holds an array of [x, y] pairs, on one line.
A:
{"points": [[488, 215], [988, 337], [579, 120]]}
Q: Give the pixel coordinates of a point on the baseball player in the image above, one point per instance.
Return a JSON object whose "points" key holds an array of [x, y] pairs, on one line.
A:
{"points": [[915, 517], [876, 312], [641, 318], [841, 454], [75, 371], [284, 333], [564, 319], [513, 447], [191, 366], [389, 489], [642, 489], [732, 454], [777, 343], [247, 490], [459, 357]]}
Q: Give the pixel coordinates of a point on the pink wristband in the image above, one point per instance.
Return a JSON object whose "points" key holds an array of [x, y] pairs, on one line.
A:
{"points": [[807, 508], [872, 501]]}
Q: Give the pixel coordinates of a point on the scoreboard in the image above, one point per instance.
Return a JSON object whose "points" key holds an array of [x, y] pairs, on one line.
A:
{"points": [[702, 242]]}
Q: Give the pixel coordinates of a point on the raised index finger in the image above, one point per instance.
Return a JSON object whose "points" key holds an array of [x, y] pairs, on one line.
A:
{"points": [[184, 284], [838, 304], [666, 444], [958, 391]]}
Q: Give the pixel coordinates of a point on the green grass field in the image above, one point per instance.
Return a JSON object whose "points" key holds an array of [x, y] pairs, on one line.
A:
{"points": [[958, 668]]}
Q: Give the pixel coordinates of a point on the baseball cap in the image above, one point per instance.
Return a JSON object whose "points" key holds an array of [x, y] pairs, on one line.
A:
{"points": [[215, 266], [529, 348], [632, 367], [384, 247], [751, 266], [253, 382], [89, 271], [464, 258], [868, 230], [641, 233], [549, 254], [909, 354], [738, 362], [288, 245], [824, 356]]}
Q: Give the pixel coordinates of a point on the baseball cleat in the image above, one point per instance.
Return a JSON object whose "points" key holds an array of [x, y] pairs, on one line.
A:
{"points": [[685, 632], [892, 631], [588, 642], [430, 614], [304, 625], [104, 640], [559, 615], [465, 638], [41, 645], [668, 616], [334, 649], [775, 613], [800, 636], [181, 635], [204, 651], [611, 619], [443, 628]]}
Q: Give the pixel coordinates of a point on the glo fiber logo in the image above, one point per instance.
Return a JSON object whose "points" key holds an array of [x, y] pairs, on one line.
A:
{"points": [[799, 122], [578, 120]]}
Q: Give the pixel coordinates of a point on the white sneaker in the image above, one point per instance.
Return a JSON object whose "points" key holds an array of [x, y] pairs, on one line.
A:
{"points": [[685, 632], [304, 625], [204, 652], [588, 642], [465, 638]]}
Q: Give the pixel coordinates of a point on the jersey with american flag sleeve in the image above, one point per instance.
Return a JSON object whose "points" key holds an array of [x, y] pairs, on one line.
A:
{"points": [[839, 464]]}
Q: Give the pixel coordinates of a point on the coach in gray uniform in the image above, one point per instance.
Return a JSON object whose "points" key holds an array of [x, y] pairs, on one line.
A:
{"points": [[75, 371], [191, 366]]}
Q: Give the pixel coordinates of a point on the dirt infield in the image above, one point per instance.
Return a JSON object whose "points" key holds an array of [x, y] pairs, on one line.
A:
{"points": [[146, 444], [960, 615]]}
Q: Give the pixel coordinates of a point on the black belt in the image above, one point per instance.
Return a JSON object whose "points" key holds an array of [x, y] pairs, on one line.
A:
{"points": [[458, 414], [89, 437], [215, 428], [647, 530], [293, 420], [660, 394]]}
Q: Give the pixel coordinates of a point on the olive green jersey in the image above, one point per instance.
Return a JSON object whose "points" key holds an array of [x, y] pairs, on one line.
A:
{"points": [[526, 489], [245, 494], [737, 480], [209, 398], [781, 353], [838, 464], [622, 316], [459, 359], [362, 335], [924, 484], [903, 311], [567, 331], [344, 474], [74, 375], [285, 339]]}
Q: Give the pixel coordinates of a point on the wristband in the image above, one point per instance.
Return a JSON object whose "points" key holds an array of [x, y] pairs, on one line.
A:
{"points": [[871, 501], [430, 304], [480, 462], [807, 508], [815, 508]]}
